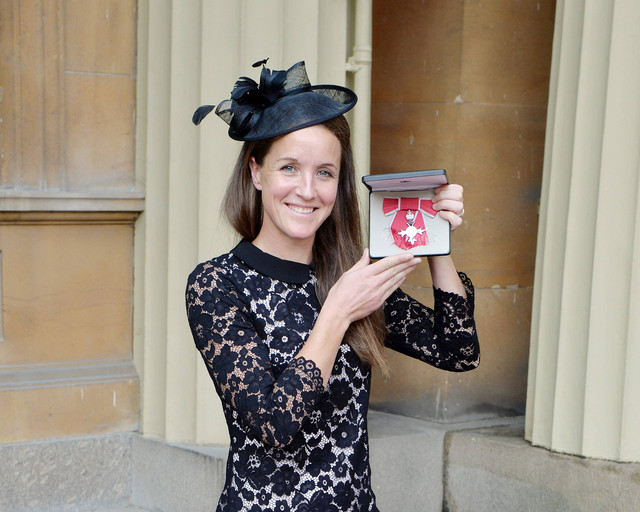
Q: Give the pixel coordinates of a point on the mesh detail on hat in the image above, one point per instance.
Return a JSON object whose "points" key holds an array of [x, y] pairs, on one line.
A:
{"points": [[296, 77], [343, 96], [224, 111]]}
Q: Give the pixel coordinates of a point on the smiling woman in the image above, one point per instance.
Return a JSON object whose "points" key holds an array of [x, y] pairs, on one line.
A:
{"points": [[298, 181], [290, 321]]}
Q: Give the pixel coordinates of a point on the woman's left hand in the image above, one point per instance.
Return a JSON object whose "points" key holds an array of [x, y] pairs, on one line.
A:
{"points": [[448, 201]]}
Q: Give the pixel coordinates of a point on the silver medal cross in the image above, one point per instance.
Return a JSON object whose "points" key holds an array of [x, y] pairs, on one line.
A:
{"points": [[411, 232]]}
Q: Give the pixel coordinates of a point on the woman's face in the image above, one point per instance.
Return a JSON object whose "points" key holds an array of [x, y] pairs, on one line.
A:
{"points": [[299, 182]]}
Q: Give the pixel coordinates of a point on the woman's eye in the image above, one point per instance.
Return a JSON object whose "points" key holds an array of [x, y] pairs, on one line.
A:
{"points": [[288, 168], [326, 173]]}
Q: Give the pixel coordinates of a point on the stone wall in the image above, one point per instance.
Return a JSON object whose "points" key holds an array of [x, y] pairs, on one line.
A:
{"points": [[462, 86], [68, 203]]}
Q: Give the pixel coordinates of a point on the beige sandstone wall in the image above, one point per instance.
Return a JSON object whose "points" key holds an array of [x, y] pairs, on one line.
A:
{"points": [[462, 85], [68, 203]]}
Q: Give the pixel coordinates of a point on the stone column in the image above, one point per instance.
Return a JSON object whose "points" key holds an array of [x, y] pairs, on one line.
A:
{"points": [[190, 53], [585, 341]]}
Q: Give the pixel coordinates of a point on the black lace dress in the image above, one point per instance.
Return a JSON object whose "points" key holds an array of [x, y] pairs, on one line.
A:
{"points": [[296, 446]]}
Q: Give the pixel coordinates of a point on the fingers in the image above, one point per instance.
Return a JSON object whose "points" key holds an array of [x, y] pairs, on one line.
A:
{"points": [[380, 266], [363, 261], [390, 262], [452, 191], [365, 287], [395, 280], [392, 265], [449, 197], [396, 271], [453, 218], [448, 201], [450, 205], [385, 273]]}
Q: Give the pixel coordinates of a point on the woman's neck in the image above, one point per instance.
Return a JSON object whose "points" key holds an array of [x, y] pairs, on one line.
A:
{"points": [[285, 248]]}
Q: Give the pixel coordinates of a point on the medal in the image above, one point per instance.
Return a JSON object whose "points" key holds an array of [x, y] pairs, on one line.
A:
{"points": [[407, 227], [411, 231]]}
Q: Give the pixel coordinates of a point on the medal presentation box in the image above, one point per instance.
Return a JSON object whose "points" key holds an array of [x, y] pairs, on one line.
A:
{"points": [[401, 217]]}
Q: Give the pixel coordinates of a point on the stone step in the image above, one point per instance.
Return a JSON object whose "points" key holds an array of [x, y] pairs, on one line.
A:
{"points": [[128, 508]]}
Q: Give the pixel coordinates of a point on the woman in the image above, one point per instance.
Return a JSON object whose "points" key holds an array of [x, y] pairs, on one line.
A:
{"points": [[290, 322]]}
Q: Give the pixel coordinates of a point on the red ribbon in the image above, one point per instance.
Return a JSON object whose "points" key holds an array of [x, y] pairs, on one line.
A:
{"points": [[407, 235]]}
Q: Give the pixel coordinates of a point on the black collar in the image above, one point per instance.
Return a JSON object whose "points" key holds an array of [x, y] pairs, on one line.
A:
{"points": [[282, 270]]}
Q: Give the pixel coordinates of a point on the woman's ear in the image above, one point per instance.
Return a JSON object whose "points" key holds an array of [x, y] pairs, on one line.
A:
{"points": [[255, 173]]}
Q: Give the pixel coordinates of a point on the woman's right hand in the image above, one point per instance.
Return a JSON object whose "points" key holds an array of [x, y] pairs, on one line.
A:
{"points": [[363, 288], [359, 292]]}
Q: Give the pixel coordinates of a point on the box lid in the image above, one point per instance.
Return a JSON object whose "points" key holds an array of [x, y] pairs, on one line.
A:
{"points": [[411, 180]]}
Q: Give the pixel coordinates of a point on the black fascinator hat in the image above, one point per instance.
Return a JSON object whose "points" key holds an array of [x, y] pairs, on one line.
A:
{"points": [[284, 101]]}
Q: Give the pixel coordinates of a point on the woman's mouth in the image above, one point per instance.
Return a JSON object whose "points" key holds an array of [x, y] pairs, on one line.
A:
{"points": [[300, 209]]}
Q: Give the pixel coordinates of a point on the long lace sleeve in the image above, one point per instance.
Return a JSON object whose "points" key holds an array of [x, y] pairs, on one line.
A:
{"points": [[444, 337], [273, 407]]}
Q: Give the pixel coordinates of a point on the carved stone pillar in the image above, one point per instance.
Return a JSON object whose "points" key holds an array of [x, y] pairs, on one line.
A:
{"points": [[585, 337], [190, 53]]}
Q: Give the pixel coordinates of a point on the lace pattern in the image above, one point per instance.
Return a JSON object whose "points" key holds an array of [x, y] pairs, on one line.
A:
{"points": [[294, 444], [271, 396], [444, 337]]}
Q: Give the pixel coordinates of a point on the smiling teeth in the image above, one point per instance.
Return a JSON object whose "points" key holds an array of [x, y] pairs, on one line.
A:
{"points": [[298, 209]]}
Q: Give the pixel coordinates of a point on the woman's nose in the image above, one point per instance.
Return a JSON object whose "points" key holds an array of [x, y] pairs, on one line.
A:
{"points": [[306, 187]]}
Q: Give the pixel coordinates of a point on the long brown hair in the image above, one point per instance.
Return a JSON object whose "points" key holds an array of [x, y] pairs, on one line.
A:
{"points": [[338, 242]]}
